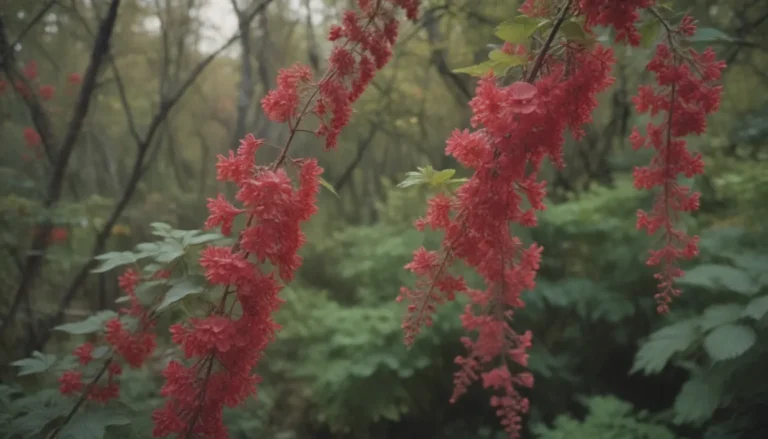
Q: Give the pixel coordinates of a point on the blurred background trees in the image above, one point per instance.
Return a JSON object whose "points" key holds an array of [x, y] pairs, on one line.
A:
{"points": [[181, 82]]}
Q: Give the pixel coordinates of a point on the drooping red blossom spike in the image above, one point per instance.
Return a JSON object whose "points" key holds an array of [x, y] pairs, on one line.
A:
{"points": [[686, 91], [518, 127], [621, 15], [3, 86], [132, 344], [222, 349], [84, 353]]}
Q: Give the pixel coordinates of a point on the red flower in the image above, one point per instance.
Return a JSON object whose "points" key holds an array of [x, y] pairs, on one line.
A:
{"points": [[59, 234], [84, 353], [74, 79], [70, 382], [47, 92], [32, 138], [30, 70]]}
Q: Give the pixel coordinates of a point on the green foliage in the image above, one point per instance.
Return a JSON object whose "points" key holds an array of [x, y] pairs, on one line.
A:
{"points": [[432, 178], [719, 344], [37, 363], [608, 418], [90, 324]]}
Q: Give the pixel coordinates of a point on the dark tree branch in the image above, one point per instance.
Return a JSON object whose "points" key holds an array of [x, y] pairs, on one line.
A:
{"points": [[36, 256], [32, 23]]}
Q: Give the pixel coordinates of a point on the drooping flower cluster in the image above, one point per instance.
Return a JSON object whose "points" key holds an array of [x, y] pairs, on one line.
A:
{"points": [[227, 345], [519, 126], [222, 348], [685, 93], [621, 15], [130, 343], [522, 124], [362, 45]]}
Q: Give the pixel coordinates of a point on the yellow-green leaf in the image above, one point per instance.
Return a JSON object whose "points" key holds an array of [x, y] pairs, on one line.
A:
{"points": [[573, 30], [442, 176], [649, 32], [324, 183], [518, 29]]}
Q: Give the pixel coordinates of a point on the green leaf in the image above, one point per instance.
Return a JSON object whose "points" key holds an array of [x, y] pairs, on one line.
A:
{"points": [[33, 422], [757, 308], [699, 398], [191, 285], [92, 424], [169, 251], [518, 29], [718, 315], [161, 229], [201, 239], [573, 30], [716, 277], [328, 186], [711, 35], [480, 69], [413, 179], [656, 352], [729, 341], [442, 176], [649, 32], [148, 291], [37, 363], [92, 324], [114, 259]]}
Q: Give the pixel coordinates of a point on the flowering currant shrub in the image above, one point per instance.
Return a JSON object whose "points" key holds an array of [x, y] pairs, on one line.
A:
{"points": [[528, 98], [519, 125]]}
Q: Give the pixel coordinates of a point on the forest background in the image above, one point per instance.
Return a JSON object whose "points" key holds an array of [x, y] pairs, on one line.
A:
{"points": [[182, 82]]}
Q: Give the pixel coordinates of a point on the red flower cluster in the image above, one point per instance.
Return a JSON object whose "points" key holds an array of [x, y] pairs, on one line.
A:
{"points": [[522, 124], [363, 44], [686, 91], [225, 346], [132, 346], [621, 15]]}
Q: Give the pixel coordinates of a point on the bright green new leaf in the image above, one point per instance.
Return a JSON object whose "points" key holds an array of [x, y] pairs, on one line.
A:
{"points": [[649, 32], [37, 363], [729, 341], [479, 69], [573, 30], [757, 308], [442, 176], [328, 186], [93, 323], [518, 29], [655, 353], [191, 285]]}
